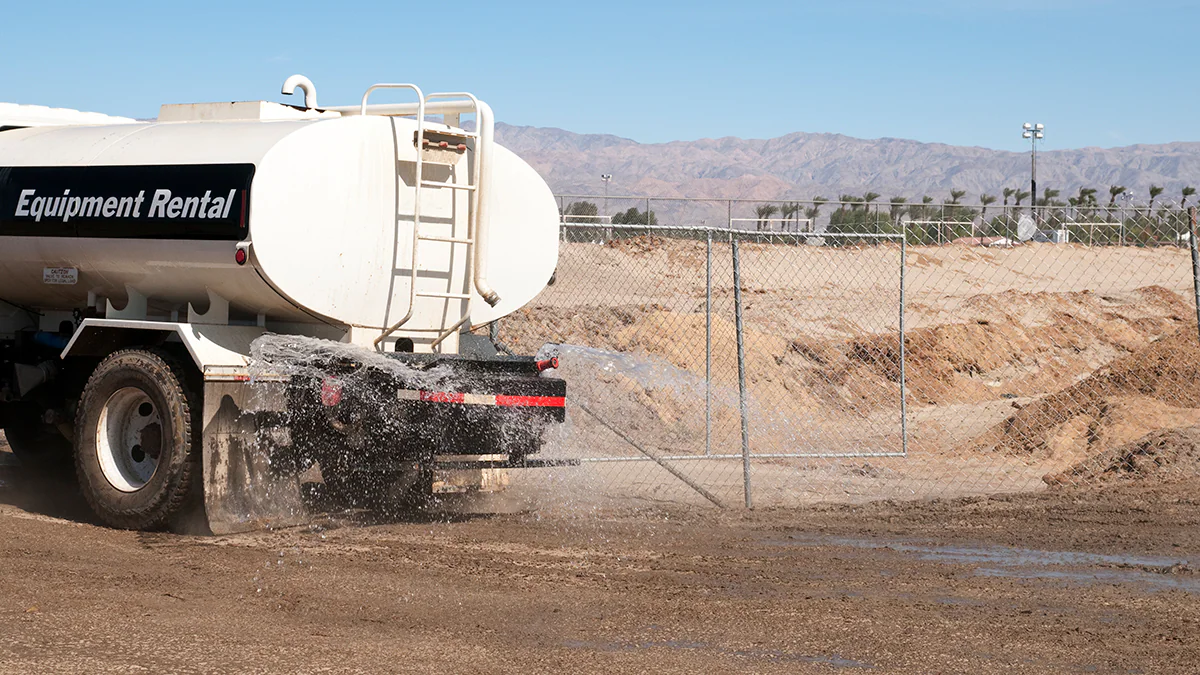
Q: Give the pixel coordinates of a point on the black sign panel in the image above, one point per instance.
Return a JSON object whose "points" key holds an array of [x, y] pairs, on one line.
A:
{"points": [[190, 201]]}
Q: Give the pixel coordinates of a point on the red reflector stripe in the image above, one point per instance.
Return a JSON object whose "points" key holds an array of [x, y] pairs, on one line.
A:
{"points": [[531, 401], [482, 399]]}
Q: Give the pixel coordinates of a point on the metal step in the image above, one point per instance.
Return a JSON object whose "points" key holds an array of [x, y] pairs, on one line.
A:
{"points": [[452, 186], [449, 240]]}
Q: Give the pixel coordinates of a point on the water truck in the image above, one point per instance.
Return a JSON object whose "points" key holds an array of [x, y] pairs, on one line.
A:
{"points": [[243, 305]]}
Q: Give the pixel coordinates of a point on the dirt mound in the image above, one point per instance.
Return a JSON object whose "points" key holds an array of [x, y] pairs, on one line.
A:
{"points": [[638, 245], [1035, 343], [1031, 343], [1152, 388], [1160, 456]]}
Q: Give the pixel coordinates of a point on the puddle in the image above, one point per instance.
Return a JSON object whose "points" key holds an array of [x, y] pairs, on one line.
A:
{"points": [[832, 660], [1157, 572]]}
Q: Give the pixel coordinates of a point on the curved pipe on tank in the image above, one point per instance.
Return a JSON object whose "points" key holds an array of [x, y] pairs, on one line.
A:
{"points": [[487, 128], [305, 84]]}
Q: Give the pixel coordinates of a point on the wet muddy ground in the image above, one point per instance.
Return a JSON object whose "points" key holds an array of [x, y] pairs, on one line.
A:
{"points": [[1065, 580]]}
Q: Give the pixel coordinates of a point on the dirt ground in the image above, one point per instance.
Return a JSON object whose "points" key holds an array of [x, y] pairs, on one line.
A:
{"points": [[1066, 580]]}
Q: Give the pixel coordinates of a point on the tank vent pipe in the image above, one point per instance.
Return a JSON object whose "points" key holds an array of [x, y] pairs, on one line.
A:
{"points": [[306, 85]]}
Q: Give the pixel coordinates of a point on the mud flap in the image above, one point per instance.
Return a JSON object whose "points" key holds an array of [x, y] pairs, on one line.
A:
{"points": [[248, 482], [454, 481]]}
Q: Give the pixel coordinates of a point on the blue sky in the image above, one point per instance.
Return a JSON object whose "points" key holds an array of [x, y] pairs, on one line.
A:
{"points": [[965, 72]]}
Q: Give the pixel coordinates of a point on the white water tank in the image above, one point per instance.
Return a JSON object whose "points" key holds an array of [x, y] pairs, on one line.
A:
{"points": [[321, 203]]}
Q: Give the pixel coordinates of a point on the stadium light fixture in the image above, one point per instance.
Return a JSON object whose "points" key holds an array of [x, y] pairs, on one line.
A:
{"points": [[1035, 133]]}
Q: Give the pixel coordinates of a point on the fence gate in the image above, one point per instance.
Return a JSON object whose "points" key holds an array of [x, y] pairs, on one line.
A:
{"points": [[660, 407]]}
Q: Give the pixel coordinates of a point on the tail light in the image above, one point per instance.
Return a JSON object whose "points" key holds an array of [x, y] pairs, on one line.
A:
{"points": [[331, 392]]}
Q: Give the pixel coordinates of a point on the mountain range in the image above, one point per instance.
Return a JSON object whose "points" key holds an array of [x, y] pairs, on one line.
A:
{"points": [[803, 165]]}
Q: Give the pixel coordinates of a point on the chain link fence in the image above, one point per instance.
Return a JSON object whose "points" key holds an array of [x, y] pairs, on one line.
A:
{"points": [[846, 351]]}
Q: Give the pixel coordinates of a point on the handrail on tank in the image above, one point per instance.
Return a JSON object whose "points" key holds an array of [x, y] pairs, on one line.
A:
{"points": [[485, 127], [362, 107], [458, 102], [420, 173]]}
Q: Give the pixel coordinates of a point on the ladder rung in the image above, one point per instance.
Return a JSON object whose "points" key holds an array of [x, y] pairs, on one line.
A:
{"points": [[446, 296], [449, 240], [452, 186]]}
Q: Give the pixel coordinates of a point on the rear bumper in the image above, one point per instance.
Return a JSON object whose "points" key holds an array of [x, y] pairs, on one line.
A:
{"points": [[441, 406]]}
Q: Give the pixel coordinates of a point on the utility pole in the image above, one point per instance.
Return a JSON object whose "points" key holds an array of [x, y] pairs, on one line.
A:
{"points": [[1034, 132]]}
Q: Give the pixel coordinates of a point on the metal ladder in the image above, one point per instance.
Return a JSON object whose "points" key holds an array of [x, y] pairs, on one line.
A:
{"points": [[471, 186]]}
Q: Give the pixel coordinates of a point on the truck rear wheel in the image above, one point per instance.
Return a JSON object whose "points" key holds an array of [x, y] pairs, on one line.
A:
{"points": [[136, 442]]}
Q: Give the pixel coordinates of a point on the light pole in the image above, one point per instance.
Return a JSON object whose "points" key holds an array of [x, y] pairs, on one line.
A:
{"points": [[606, 177], [1034, 133]]}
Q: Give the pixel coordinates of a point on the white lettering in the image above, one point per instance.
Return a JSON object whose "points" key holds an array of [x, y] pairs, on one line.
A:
{"points": [[125, 207], [218, 205], [190, 206], [158, 205], [73, 205], [23, 202], [204, 204], [36, 208], [175, 207], [228, 203], [137, 204], [91, 206], [110, 207]]}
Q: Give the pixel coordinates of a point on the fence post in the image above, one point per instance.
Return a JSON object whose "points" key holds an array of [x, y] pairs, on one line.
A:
{"points": [[741, 354], [903, 354], [708, 345], [1195, 264]]}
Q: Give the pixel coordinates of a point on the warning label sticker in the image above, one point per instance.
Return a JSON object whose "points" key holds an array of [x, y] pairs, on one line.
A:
{"points": [[60, 276]]}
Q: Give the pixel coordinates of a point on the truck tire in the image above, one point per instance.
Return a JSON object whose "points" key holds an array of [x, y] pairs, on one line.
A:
{"points": [[137, 442]]}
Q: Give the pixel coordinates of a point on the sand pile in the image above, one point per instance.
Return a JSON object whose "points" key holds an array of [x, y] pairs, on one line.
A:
{"points": [[1160, 456], [1157, 387], [1032, 344]]}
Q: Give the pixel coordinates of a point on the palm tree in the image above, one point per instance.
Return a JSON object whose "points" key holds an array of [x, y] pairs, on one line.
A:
{"points": [[896, 207], [1086, 198], [1155, 191], [1048, 195], [984, 201], [813, 211], [1007, 192], [764, 213], [1115, 191], [1020, 196], [921, 212], [1187, 191], [789, 210], [956, 195], [847, 199]]}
